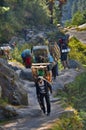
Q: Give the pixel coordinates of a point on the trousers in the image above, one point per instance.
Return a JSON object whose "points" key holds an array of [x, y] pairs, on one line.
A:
{"points": [[44, 98]]}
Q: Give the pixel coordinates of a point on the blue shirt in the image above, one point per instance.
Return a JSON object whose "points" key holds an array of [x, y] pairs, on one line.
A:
{"points": [[50, 59]]}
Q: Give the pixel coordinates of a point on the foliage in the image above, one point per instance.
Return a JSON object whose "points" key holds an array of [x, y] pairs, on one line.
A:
{"points": [[16, 53], [78, 13], [78, 18], [16, 15], [36, 13], [78, 5], [55, 35], [78, 50], [21, 14], [74, 94], [73, 122], [68, 23], [57, 14], [83, 116], [3, 102]]}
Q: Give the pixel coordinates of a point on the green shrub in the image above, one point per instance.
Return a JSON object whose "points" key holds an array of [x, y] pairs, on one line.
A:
{"points": [[73, 122], [16, 53], [83, 116], [3, 102], [78, 18], [74, 94], [78, 50]]}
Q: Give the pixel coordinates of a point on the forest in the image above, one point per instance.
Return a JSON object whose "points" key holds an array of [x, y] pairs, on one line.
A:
{"points": [[18, 14]]}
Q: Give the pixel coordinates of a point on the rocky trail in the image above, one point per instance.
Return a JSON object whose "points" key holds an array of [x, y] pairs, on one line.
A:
{"points": [[31, 117]]}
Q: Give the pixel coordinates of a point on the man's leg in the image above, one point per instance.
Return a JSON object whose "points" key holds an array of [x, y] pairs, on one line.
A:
{"points": [[57, 68], [48, 104], [54, 71], [42, 103]]}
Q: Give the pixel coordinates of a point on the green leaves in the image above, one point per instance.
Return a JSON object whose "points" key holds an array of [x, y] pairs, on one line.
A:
{"points": [[75, 95], [78, 50], [4, 9], [78, 18]]}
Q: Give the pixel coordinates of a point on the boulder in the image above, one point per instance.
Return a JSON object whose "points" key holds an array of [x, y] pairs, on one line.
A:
{"points": [[74, 64], [67, 113], [11, 85], [82, 26], [9, 111], [26, 74]]}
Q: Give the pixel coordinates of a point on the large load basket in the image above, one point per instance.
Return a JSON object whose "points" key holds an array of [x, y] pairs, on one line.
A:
{"points": [[54, 50], [41, 69]]}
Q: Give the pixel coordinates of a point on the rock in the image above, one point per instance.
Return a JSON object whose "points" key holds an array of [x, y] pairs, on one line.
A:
{"points": [[1, 128], [12, 87], [82, 26], [67, 113], [1, 115], [34, 35], [9, 112], [3, 61], [15, 40], [74, 64], [26, 74], [65, 77]]}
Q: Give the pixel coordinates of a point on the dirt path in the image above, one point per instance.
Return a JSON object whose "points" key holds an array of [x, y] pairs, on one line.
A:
{"points": [[31, 117], [36, 121]]}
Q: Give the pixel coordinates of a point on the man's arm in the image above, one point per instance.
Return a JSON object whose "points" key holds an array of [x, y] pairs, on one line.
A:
{"points": [[50, 87]]}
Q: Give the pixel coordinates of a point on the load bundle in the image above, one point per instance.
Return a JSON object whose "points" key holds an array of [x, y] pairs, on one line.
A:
{"points": [[26, 53], [40, 54], [54, 50]]}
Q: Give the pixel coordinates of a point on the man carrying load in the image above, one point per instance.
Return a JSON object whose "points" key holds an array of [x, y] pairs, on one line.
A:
{"points": [[26, 57]]}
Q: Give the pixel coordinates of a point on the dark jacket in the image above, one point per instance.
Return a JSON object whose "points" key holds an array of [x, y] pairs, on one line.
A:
{"points": [[43, 89]]}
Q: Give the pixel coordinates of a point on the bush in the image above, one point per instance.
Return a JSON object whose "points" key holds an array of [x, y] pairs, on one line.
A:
{"points": [[78, 18], [78, 50], [16, 53], [74, 94], [73, 122], [3, 102]]}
